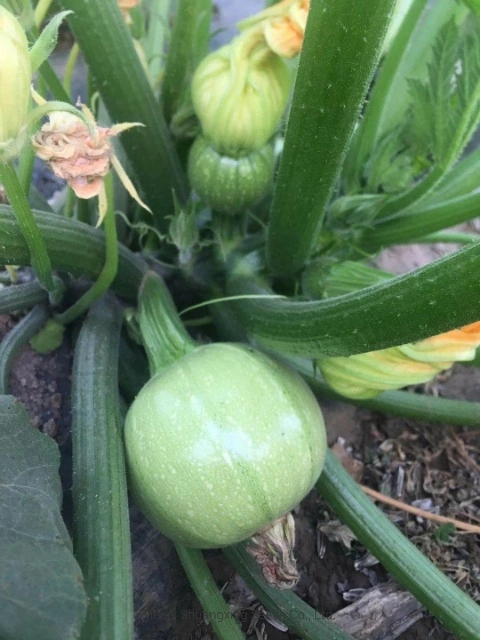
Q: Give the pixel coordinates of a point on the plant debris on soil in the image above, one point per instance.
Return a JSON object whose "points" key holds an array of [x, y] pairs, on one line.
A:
{"points": [[436, 468]]}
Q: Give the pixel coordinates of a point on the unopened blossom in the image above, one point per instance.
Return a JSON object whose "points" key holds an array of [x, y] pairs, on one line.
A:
{"points": [[82, 155], [366, 375], [15, 80], [283, 26], [239, 94]]}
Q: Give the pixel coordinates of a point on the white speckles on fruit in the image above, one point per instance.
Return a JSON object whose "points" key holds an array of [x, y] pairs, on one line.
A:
{"points": [[244, 445]]}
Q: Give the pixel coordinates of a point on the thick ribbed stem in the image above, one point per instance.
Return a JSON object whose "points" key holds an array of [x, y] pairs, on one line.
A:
{"points": [[164, 336]]}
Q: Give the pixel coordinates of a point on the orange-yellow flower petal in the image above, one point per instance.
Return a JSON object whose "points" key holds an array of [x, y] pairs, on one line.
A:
{"points": [[367, 374], [284, 35]]}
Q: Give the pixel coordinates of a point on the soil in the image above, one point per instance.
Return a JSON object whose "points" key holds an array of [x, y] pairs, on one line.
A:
{"points": [[438, 466]]}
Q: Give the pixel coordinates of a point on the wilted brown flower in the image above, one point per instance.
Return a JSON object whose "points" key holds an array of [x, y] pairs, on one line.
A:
{"points": [[81, 154]]}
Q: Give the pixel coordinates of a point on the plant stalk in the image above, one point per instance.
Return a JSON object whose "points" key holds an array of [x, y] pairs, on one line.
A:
{"points": [[459, 613], [109, 270], [39, 258]]}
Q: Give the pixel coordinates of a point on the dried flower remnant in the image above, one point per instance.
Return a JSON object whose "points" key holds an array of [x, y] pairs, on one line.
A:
{"points": [[283, 26], [366, 375], [82, 155]]}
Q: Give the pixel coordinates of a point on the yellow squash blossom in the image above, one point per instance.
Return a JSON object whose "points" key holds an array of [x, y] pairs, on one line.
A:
{"points": [[366, 375], [283, 26]]}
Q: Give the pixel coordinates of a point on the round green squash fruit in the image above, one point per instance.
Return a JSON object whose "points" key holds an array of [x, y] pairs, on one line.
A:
{"points": [[230, 185], [221, 443]]}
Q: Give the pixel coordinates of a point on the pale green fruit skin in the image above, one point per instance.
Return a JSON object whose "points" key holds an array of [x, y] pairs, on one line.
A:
{"points": [[221, 444], [230, 185]]}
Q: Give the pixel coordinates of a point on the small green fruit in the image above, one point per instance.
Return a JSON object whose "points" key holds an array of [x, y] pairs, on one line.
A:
{"points": [[230, 185], [222, 443]]}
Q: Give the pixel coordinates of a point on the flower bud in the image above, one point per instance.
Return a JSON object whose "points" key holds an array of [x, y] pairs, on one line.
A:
{"points": [[230, 185], [15, 80], [239, 94], [366, 375]]}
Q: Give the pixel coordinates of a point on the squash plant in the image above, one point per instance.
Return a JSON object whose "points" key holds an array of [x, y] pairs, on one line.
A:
{"points": [[267, 176]]}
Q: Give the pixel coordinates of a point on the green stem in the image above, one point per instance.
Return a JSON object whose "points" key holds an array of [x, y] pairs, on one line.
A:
{"points": [[83, 210], [40, 260], [101, 527], [163, 333], [16, 338], [206, 590], [70, 68], [41, 11], [412, 196], [69, 207], [459, 613], [25, 168], [188, 44], [74, 247], [421, 222], [456, 237], [326, 103], [109, 271], [18, 297], [53, 83], [287, 607], [154, 43], [439, 297]]}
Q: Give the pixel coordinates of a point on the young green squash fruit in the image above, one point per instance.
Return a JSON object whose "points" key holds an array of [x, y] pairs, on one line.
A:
{"points": [[227, 184], [221, 443]]}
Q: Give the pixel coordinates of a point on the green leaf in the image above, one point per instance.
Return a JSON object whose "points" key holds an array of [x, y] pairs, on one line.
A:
{"points": [[41, 594], [439, 87], [442, 296], [451, 93], [339, 55], [47, 41], [389, 99], [445, 109]]}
